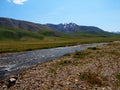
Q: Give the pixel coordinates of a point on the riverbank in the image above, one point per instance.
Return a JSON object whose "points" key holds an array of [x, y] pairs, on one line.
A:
{"points": [[91, 69]]}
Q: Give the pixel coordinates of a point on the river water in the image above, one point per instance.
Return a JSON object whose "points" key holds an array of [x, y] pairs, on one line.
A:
{"points": [[20, 61]]}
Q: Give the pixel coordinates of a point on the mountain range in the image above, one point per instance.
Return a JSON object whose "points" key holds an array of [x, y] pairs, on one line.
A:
{"points": [[19, 29], [72, 28]]}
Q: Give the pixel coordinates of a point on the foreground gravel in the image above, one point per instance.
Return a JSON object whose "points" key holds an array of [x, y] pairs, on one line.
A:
{"points": [[96, 68]]}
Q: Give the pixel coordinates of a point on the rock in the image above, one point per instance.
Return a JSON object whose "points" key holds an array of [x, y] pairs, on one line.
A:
{"points": [[4, 87], [76, 80], [12, 79], [11, 82], [68, 83]]}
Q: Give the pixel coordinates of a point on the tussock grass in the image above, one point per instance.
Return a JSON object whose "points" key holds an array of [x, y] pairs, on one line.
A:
{"points": [[65, 62], [80, 54], [118, 78], [92, 78]]}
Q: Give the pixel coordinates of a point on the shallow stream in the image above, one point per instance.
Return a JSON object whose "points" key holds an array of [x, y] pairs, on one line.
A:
{"points": [[20, 61]]}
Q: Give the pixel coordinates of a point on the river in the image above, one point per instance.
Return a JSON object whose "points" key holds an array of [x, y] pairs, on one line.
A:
{"points": [[20, 61]]}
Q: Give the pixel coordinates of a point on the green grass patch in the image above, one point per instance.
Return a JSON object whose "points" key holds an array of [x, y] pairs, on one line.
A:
{"points": [[65, 62], [114, 52], [92, 78], [52, 70], [118, 78], [80, 54]]}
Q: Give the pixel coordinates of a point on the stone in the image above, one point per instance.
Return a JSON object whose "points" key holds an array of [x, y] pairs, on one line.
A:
{"points": [[11, 82]]}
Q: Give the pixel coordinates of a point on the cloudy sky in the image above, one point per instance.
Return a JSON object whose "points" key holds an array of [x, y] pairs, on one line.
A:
{"points": [[101, 13]]}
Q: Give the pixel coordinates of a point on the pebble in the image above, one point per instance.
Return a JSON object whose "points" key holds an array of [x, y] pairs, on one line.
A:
{"points": [[12, 79]]}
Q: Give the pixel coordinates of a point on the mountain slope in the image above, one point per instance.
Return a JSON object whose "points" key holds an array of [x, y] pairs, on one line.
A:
{"points": [[81, 31], [17, 34], [11, 29], [21, 24], [10, 33], [72, 28]]}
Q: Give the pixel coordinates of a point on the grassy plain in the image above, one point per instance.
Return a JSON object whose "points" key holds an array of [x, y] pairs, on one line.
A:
{"points": [[17, 46]]}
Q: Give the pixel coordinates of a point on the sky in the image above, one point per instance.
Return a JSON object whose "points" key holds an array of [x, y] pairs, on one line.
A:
{"points": [[104, 14]]}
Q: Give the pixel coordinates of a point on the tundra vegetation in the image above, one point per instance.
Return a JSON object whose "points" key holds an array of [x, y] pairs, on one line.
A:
{"points": [[28, 45], [17, 39], [96, 68]]}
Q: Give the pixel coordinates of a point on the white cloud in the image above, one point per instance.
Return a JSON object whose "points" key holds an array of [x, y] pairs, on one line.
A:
{"points": [[20, 2]]}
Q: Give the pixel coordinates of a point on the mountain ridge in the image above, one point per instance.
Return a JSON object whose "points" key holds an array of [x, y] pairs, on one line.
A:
{"points": [[67, 27], [12, 29], [21, 24], [72, 27]]}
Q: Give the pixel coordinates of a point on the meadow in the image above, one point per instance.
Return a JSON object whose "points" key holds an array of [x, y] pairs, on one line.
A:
{"points": [[18, 46]]}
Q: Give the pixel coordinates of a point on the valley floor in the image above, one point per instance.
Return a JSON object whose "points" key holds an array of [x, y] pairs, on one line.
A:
{"points": [[96, 68]]}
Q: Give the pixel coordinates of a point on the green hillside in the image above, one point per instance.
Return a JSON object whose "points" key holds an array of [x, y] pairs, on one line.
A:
{"points": [[17, 30], [7, 33], [14, 40]]}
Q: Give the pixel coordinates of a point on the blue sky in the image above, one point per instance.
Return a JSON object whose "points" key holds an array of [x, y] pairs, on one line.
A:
{"points": [[104, 14]]}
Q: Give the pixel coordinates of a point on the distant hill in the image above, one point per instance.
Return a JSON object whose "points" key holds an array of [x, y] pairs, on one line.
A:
{"points": [[80, 31], [21, 24], [116, 32], [72, 28], [11, 29]]}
